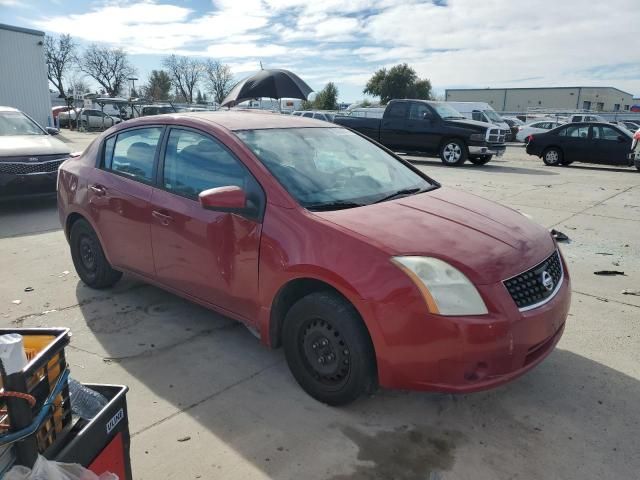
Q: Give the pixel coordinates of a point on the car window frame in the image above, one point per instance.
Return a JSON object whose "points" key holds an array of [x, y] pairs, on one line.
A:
{"points": [[100, 162], [159, 174]]}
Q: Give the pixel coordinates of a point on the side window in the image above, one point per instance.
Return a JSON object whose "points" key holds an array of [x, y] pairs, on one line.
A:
{"points": [[577, 131], [608, 133], [307, 114], [398, 110], [134, 152], [319, 116], [419, 111], [476, 115], [194, 162], [108, 152]]}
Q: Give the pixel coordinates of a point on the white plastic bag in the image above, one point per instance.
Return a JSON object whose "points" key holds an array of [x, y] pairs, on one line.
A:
{"points": [[49, 470]]}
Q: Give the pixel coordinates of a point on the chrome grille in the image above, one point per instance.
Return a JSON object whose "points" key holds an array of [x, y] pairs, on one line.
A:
{"points": [[528, 289], [497, 135], [31, 165]]}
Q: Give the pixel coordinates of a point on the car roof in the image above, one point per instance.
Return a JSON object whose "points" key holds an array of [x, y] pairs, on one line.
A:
{"points": [[242, 119], [8, 109]]}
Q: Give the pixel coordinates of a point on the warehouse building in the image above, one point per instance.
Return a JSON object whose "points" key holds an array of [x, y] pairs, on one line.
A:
{"points": [[23, 73], [604, 99]]}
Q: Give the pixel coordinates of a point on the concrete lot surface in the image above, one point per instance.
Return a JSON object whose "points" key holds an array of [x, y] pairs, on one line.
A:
{"points": [[201, 378]]}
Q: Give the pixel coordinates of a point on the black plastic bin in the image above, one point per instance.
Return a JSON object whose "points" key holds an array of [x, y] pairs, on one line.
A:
{"points": [[101, 444]]}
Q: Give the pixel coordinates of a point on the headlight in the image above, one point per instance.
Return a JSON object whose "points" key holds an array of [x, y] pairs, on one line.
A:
{"points": [[446, 289], [476, 137]]}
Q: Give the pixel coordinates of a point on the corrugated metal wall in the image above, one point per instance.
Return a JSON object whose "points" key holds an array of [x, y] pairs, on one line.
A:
{"points": [[23, 75]]}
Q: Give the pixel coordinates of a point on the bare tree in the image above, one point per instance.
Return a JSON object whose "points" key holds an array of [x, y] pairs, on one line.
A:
{"points": [[219, 79], [185, 73], [59, 54], [109, 67]]}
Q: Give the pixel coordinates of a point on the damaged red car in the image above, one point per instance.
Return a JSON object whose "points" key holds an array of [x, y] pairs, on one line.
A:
{"points": [[364, 269]]}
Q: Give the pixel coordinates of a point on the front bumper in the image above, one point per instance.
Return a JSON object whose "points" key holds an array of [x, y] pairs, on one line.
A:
{"points": [[472, 353], [14, 185], [497, 150]]}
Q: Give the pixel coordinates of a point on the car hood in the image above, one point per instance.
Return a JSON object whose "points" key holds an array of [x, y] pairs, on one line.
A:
{"points": [[485, 240], [475, 124], [19, 145]]}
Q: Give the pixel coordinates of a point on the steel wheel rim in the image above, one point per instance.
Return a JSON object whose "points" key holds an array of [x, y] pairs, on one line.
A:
{"points": [[552, 156], [325, 354], [86, 249], [452, 152]]}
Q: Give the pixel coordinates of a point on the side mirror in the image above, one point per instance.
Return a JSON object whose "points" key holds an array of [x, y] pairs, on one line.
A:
{"points": [[224, 199], [52, 131]]}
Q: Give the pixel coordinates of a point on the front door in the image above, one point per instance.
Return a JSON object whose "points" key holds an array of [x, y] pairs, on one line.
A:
{"points": [[210, 255], [421, 132], [610, 145], [119, 194]]}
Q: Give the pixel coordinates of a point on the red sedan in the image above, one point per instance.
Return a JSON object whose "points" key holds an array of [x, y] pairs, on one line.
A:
{"points": [[364, 269]]}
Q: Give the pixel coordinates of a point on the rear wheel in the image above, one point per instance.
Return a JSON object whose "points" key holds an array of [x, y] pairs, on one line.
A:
{"points": [[481, 160], [328, 349], [552, 157], [453, 152], [88, 257]]}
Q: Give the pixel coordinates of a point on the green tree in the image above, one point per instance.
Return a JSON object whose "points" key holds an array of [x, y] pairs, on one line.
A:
{"points": [[158, 86], [327, 98], [400, 81]]}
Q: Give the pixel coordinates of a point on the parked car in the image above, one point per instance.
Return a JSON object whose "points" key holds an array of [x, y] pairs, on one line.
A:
{"points": [[55, 111], [513, 123], [595, 142], [628, 124], [29, 155], [525, 131], [89, 118], [366, 271], [433, 128], [318, 115], [482, 112], [586, 118]]}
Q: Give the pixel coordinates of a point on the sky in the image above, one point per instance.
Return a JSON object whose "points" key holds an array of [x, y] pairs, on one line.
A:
{"points": [[454, 43]]}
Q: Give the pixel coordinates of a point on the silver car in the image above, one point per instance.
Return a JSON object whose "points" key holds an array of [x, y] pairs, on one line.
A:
{"points": [[29, 155]]}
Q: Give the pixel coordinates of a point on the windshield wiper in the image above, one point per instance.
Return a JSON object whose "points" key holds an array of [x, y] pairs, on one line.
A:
{"points": [[338, 205], [402, 193]]}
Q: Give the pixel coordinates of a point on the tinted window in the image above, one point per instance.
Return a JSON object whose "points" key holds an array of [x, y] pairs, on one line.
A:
{"points": [[319, 116], [397, 110], [578, 131], [419, 111], [605, 133], [133, 153], [194, 162], [307, 114], [477, 116]]}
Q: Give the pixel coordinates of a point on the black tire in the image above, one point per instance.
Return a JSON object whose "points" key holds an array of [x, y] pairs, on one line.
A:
{"points": [[323, 325], [552, 156], [567, 162], [482, 160], [88, 257], [453, 152]]}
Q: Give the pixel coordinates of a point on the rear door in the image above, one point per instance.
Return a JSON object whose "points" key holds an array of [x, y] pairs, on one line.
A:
{"points": [[610, 145], [119, 194], [575, 142], [421, 132], [393, 131], [210, 255]]}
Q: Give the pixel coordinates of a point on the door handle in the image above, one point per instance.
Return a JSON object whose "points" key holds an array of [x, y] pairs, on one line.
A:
{"points": [[98, 189], [163, 217]]}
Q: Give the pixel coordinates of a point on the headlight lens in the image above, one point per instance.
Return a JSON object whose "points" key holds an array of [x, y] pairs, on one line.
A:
{"points": [[446, 289], [476, 137]]}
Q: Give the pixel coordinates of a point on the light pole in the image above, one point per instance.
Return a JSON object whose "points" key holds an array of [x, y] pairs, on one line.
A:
{"points": [[133, 84]]}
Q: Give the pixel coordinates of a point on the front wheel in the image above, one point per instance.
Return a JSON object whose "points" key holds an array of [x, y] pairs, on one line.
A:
{"points": [[89, 259], [552, 157], [453, 152], [481, 160], [328, 349]]}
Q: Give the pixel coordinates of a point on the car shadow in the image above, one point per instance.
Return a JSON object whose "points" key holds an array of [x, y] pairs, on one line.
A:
{"points": [[605, 168], [28, 215], [193, 371], [489, 167]]}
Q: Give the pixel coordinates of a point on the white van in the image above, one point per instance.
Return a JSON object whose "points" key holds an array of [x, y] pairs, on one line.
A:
{"points": [[480, 111]]}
